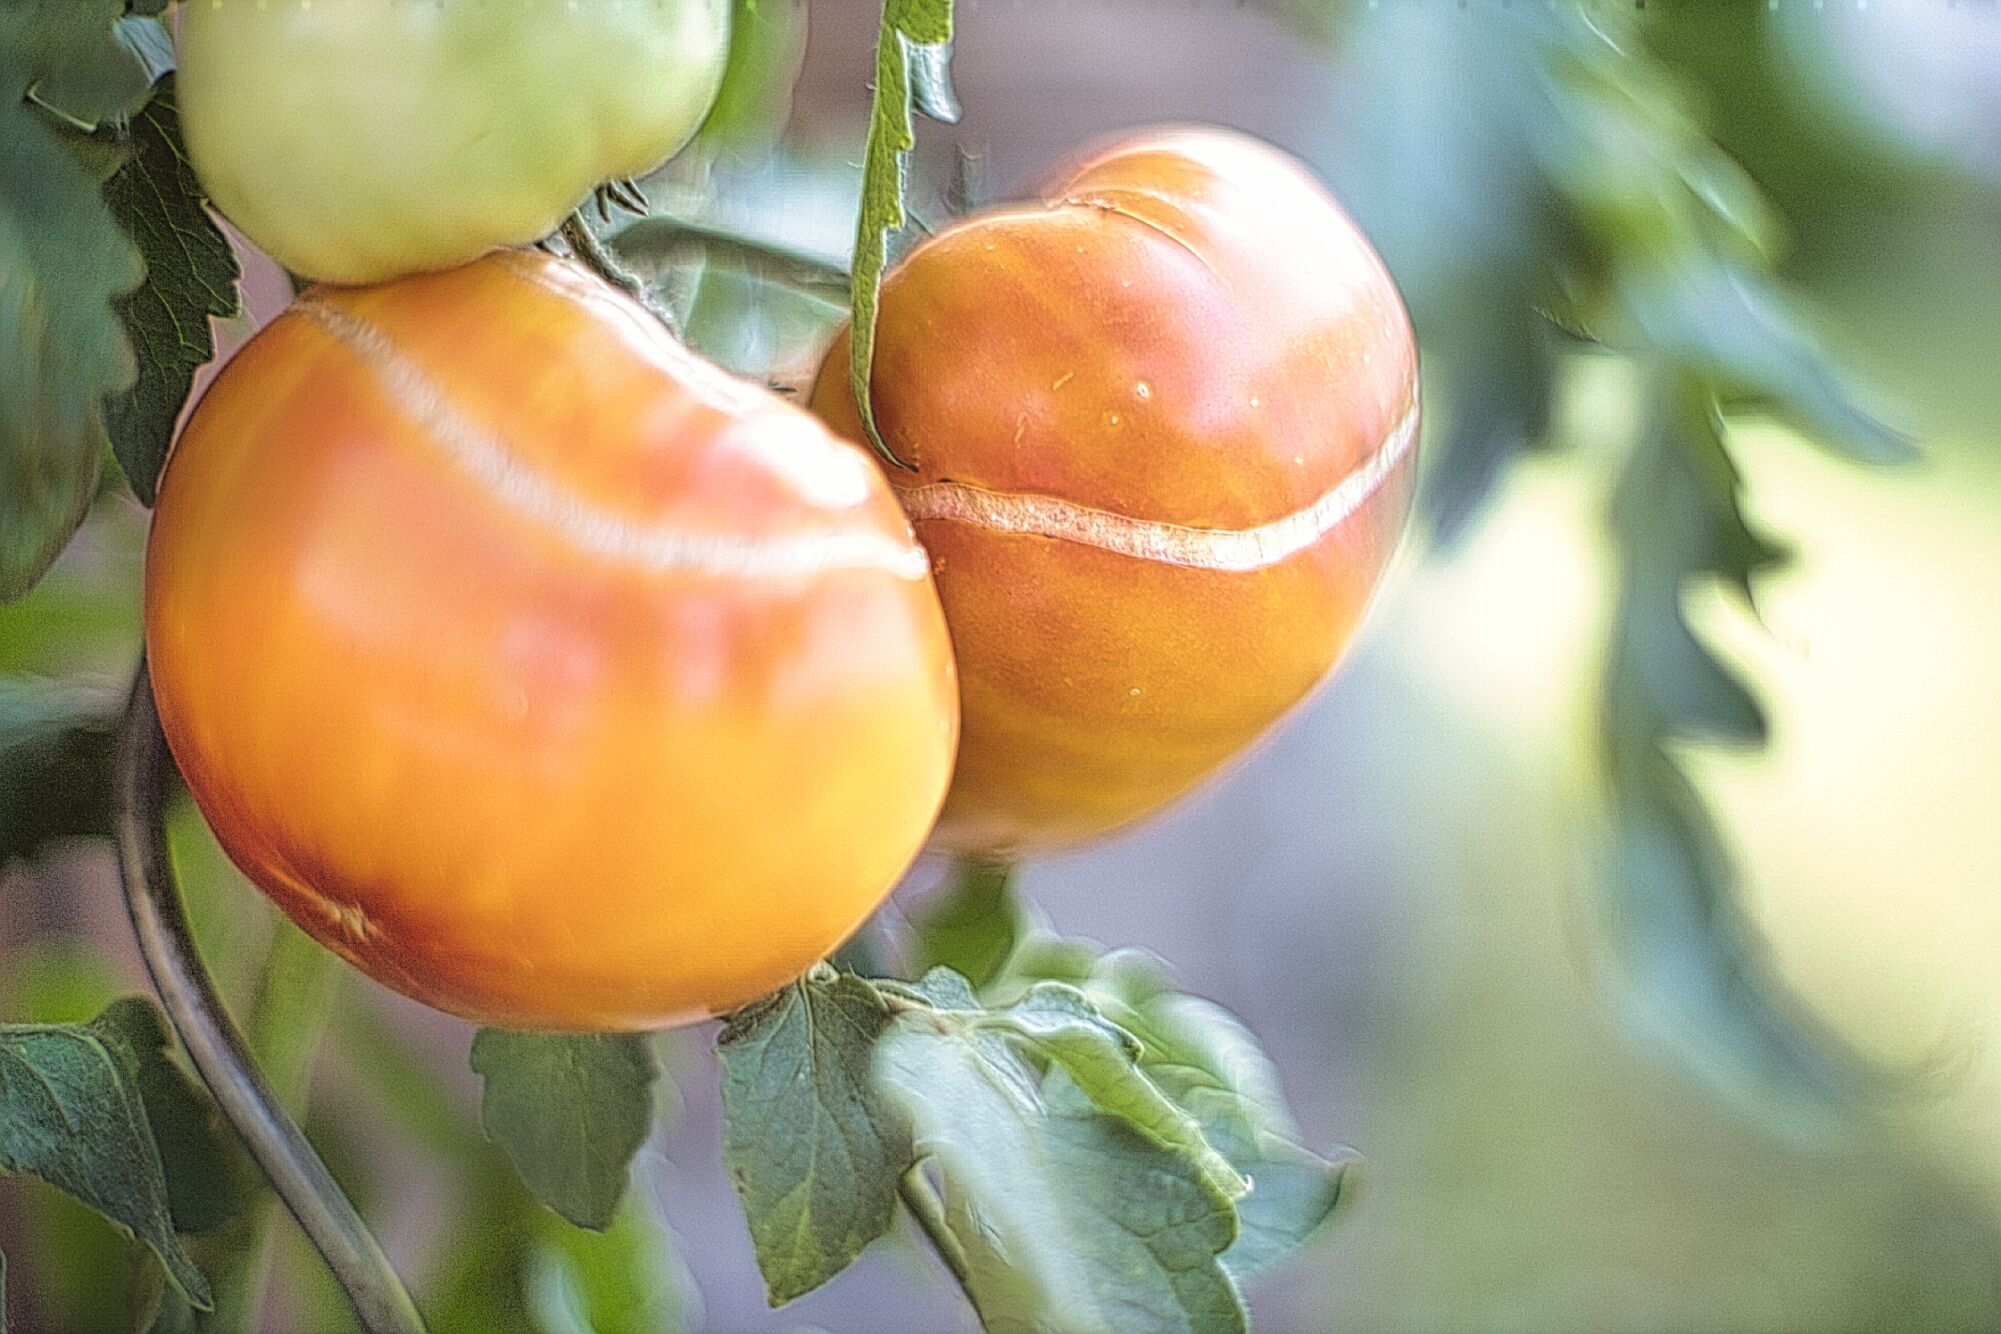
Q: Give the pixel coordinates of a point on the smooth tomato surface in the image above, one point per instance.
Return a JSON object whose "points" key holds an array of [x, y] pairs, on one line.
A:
{"points": [[544, 671], [356, 140], [1162, 426]]}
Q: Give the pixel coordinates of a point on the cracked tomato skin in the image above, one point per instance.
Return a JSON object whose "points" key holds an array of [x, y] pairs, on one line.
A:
{"points": [[1161, 425], [357, 140], [541, 669]]}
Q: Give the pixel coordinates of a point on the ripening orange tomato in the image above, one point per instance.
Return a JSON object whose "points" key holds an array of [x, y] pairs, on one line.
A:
{"points": [[1162, 429], [539, 668]]}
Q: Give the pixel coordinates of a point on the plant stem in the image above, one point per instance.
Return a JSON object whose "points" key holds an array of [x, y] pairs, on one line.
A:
{"points": [[658, 236], [591, 253], [928, 1211], [213, 1042], [287, 1022]]}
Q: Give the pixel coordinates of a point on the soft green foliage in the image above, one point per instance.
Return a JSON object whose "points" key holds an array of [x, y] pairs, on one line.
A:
{"points": [[55, 763], [813, 1152], [624, 1280], [75, 1111], [1203, 1058], [1054, 1021], [972, 925], [1561, 185], [571, 1111], [1068, 1214], [69, 75], [191, 274], [912, 71]]}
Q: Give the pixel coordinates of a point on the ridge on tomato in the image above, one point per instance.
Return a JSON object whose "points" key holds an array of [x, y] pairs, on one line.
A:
{"points": [[541, 669], [356, 140], [1161, 427]]}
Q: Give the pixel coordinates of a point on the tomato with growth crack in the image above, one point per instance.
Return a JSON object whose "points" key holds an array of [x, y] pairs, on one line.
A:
{"points": [[1161, 430], [543, 670]]}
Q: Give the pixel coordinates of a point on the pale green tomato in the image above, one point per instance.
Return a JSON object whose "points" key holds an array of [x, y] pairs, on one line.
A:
{"points": [[355, 140]]}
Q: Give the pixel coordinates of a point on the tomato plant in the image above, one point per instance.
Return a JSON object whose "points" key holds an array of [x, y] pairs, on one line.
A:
{"points": [[567, 684]]}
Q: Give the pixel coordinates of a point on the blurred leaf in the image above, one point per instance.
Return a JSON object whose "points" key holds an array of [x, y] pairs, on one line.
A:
{"points": [[912, 70], [814, 1154], [1562, 162], [492, 1278], [57, 979], [56, 745], [64, 69], [85, 63], [1736, 329], [627, 1279], [1501, 407], [973, 925], [1068, 1216], [62, 261], [570, 1111], [1700, 967], [767, 48], [191, 274], [208, 1174], [73, 1112]]}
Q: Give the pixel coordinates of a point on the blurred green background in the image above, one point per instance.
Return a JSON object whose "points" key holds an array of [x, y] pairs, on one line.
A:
{"points": [[1411, 891]]}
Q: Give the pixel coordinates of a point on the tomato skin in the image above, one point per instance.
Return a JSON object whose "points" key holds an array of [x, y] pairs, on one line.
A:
{"points": [[1186, 332], [358, 140], [542, 670]]}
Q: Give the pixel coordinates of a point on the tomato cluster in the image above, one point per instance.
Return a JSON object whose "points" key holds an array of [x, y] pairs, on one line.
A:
{"points": [[559, 680]]}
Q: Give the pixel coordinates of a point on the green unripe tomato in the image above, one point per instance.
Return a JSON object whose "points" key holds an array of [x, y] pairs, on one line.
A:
{"points": [[357, 140]]}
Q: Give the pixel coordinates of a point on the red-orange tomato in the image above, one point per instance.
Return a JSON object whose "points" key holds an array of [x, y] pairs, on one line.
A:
{"points": [[1162, 428], [542, 670]]}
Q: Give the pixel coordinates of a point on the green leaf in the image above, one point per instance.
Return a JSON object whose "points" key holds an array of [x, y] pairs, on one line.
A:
{"points": [[1697, 968], [1068, 1217], [207, 1170], [73, 1112], [82, 63], [627, 1279], [1202, 1057], [63, 68], [62, 260], [56, 746], [814, 1153], [912, 70], [1736, 329], [570, 1111], [1056, 1022], [191, 275], [973, 925], [1500, 408]]}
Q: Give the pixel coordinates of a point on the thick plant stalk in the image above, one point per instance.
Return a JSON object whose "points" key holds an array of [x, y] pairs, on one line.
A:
{"points": [[218, 1050]]}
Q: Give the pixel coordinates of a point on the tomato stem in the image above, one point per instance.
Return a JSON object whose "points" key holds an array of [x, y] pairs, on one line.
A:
{"points": [[216, 1045], [591, 253]]}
